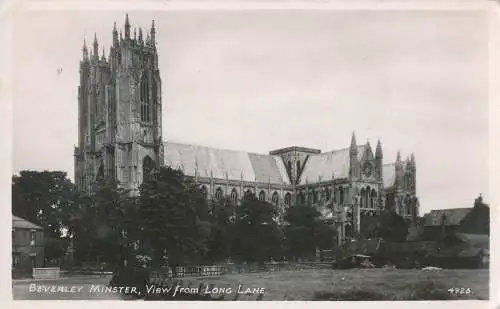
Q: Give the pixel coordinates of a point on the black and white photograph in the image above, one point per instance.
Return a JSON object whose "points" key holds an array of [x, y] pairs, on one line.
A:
{"points": [[245, 154]]}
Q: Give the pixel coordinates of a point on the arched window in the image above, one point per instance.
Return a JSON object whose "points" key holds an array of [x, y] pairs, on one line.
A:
{"points": [[148, 166], [154, 92], [298, 169], [144, 97], [374, 198], [314, 195], [234, 196], [204, 191], [362, 198], [327, 194], [262, 196], [288, 198], [218, 194], [275, 199], [341, 195], [368, 202], [289, 168]]}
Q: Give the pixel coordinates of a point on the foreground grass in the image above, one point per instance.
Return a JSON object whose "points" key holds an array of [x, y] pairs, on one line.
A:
{"points": [[356, 284]]}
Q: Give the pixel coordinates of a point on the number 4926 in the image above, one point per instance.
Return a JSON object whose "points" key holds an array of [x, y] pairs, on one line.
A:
{"points": [[460, 291]]}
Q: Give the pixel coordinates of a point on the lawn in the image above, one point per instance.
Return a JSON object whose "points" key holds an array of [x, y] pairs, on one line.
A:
{"points": [[353, 284]]}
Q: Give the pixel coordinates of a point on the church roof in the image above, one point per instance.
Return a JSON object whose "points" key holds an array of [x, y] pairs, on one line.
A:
{"points": [[325, 164], [222, 163], [389, 175]]}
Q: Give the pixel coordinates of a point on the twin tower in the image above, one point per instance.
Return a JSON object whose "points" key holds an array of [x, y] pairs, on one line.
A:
{"points": [[119, 110]]}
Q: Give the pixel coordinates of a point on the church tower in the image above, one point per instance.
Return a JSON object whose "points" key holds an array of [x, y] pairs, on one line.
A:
{"points": [[119, 114]]}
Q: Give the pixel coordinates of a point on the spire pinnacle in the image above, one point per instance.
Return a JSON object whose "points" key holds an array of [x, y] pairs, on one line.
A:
{"points": [[412, 158], [153, 34], [378, 151], [96, 46], [140, 36], [115, 34], [398, 157], [85, 50], [354, 146], [127, 27]]}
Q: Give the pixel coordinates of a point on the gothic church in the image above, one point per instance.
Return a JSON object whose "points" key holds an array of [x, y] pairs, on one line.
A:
{"points": [[120, 126]]}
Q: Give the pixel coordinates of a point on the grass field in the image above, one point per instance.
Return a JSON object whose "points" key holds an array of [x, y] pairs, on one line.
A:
{"points": [[355, 284]]}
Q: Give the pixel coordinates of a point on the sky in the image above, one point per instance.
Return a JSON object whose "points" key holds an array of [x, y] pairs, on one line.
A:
{"points": [[262, 80]]}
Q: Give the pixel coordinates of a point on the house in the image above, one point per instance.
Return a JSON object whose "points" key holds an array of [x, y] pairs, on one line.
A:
{"points": [[27, 246], [441, 222]]}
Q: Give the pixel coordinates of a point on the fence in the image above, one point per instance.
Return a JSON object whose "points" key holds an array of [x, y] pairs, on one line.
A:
{"points": [[46, 273], [186, 271]]}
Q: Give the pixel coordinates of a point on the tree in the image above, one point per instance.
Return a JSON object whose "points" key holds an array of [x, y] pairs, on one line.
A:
{"points": [[392, 227], [222, 219], [172, 217], [39, 197], [306, 231], [257, 237], [42, 197]]}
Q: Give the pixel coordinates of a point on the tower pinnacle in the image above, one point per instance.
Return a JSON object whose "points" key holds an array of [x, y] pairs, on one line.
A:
{"points": [[127, 27], [354, 147], [96, 46], [153, 34], [378, 151], [85, 51], [115, 35]]}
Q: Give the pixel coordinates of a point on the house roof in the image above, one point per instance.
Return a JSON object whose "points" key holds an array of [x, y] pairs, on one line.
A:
{"points": [[452, 216], [224, 163], [326, 164], [389, 175], [20, 223]]}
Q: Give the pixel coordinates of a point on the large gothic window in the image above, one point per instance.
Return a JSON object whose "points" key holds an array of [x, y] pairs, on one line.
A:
{"points": [[362, 198], [218, 194], [262, 196], [289, 168], [373, 200], [148, 165], [154, 91], [275, 199], [298, 169], [368, 201], [234, 196], [341, 195], [144, 97], [327, 194]]}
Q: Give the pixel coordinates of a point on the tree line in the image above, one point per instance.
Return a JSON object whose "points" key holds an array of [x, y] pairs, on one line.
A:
{"points": [[170, 221]]}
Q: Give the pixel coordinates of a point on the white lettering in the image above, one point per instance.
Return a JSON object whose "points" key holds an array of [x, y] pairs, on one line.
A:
{"points": [[32, 287]]}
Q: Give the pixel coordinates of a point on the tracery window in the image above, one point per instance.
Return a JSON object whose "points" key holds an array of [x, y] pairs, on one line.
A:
{"points": [[275, 199], [218, 194], [262, 196], [234, 196], [144, 98]]}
